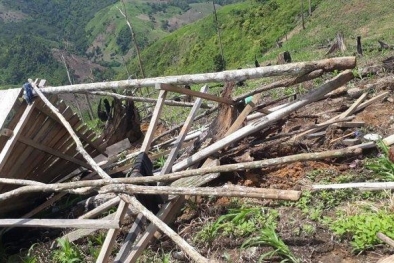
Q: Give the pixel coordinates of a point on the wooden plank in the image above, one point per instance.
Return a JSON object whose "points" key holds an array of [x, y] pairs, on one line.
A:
{"points": [[60, 223], [8, 99], [31, 158], [111, 236], [51, 151], [6, 151], [196, 94], [82, 136]]}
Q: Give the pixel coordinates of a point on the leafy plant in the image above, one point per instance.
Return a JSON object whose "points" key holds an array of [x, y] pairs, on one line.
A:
{"points": [[268, 236], [239, 222], [382, 165], [361, 229], [30, 258], [67, 252]]}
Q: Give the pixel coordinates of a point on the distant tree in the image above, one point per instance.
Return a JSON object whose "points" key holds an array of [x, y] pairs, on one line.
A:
{"points": [[218, 63], [123, 40]]}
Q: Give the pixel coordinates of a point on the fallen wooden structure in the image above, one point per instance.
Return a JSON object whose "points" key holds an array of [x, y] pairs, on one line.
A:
{"points": [[173, 180]]}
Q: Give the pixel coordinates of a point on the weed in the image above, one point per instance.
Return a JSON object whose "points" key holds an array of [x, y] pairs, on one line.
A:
{"points": [[159, 163], [382, 165], [67, 252], [362, 228], [309, 229], [268, 236], [30, 258], [239, 222]]}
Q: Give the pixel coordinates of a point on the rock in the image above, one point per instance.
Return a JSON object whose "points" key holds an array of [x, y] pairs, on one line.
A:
{"points": [[354, 93]]}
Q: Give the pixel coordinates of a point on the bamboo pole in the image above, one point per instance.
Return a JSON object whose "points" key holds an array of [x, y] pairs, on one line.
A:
{"points": [[299, 68], [189, 250], [312, 96]]}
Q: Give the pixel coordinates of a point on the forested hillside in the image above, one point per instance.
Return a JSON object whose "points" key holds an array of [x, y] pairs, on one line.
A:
{"points": [[92, 29]]}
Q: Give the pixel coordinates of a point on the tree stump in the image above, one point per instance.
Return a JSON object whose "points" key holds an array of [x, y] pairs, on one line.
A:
{"points": [[284, 58], [123, 122]]}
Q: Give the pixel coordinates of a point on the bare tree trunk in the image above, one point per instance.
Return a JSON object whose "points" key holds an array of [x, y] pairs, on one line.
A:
{"points": [[218, 30], [124, 13], [310, 8], [302, 14]]}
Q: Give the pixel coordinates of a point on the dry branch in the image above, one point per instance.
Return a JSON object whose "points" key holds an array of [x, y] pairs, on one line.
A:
{"points": [[299, 68]]}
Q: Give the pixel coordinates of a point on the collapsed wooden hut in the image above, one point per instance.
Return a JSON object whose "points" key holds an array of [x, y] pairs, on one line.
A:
{"points": [[35, 145], [29, 133]]}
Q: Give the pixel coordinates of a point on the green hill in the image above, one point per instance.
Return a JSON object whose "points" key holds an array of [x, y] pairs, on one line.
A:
{"points": [[252, 28]]}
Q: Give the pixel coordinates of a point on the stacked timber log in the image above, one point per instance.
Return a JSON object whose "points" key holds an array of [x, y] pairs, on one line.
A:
{"points": [[238, 119]]}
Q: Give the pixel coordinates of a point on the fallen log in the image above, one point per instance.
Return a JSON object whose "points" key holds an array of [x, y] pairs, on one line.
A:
{"points": [[299, 68]]}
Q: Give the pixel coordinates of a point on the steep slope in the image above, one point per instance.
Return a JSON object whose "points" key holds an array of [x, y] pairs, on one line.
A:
{"points": [[252, 28], [248, 29]]}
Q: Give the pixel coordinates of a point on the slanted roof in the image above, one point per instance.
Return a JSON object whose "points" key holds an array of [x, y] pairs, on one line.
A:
{"points": [[35, 145]]}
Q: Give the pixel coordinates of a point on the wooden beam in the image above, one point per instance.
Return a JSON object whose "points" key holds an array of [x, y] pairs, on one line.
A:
{"points": [[60, 223], [51, 151], [296, 69], [196, 94]]}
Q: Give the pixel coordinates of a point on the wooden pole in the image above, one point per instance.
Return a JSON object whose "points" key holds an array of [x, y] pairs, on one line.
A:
{"points": [[189, 250], [148, 100], [283, 83], [312, 96], [299, 68], [59, 223], [227, 190]]}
